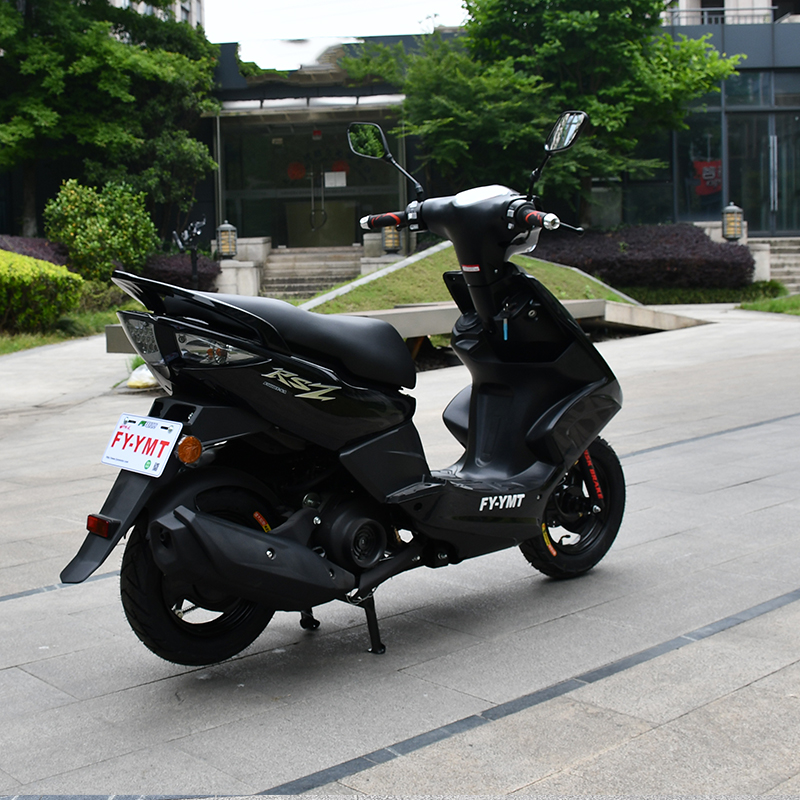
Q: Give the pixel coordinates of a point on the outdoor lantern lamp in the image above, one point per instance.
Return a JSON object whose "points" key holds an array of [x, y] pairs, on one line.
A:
{"points": [[391, 239], [226, 240], [732, 222]]}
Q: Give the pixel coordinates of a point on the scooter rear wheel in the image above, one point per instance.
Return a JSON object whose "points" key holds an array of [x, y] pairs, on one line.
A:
{"points": [[583, 516], [181, 622]]}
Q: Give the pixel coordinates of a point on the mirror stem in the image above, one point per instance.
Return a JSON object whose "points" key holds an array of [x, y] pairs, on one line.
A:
{"points": [[420, 192]]}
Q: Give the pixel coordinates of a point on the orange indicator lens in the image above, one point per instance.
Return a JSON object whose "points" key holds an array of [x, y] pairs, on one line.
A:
{"points": [[190, 448]]}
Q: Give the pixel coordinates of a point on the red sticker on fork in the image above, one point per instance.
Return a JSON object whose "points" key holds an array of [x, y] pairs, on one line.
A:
{"points": [[592, 472]]}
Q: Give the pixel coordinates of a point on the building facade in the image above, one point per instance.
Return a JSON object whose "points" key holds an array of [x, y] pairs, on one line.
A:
{"points": [[742, 144]]}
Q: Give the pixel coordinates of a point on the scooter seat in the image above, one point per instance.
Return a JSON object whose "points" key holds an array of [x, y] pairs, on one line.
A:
{"points": [[369, 348]]}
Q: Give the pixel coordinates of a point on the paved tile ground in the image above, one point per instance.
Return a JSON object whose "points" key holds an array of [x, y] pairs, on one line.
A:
{"points": [[672, 668]]}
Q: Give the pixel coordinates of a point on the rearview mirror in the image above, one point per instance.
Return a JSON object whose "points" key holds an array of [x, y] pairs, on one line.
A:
{"points": [[367, 139], [565, 131]]}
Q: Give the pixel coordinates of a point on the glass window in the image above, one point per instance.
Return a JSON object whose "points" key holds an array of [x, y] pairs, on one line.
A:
{"points": [[699, 167], [749, 89], [787, 88]]}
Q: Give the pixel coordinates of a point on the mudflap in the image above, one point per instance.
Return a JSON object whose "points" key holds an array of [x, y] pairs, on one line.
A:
{"points": [[125, 501]]}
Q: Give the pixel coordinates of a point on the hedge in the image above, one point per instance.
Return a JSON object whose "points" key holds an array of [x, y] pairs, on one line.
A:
{"points": [[668, 256], [43, 249], [33, 293]]}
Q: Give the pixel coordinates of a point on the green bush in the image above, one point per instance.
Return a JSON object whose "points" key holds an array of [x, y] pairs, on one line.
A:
{"points": [[101, 230], [34, 294]]}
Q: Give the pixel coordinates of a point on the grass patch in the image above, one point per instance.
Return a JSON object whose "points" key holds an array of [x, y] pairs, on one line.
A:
{"points": [[422, 282], [778, 305], [73, 326], [657, 296]]}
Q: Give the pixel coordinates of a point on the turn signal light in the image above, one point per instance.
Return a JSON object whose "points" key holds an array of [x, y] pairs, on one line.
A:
{"points": [[190, 448], [98, 526]]}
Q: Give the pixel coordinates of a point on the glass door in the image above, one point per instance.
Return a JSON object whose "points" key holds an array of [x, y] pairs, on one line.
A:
{"points": [[785, 150], [764, 170]]}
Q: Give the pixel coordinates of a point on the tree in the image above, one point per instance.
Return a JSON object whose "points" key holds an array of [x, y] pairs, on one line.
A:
{"points": [[483, 105], [119, 91], [610, 59], [480, 123]]}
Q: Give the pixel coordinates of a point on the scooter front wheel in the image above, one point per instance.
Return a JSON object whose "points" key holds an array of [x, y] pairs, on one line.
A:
{"points": [[582, 517]]}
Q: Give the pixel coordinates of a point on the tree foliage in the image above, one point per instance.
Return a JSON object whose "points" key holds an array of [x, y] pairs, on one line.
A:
{"points": [[120, 91], [483, 105], [102, 229]]}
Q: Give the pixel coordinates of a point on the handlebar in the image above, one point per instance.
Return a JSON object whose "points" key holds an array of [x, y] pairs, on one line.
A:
{"points": [[527, 216], [390, 219]]}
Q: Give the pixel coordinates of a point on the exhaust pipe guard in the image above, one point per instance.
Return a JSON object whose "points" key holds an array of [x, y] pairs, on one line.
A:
{"points": [[264, 567]]}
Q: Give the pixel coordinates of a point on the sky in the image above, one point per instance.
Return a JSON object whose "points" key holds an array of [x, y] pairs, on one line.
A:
{"points": [[255, 22]]}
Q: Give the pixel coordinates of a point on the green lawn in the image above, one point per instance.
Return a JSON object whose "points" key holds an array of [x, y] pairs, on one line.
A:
{"points": [[777, 305], [422, 282], [71, 327]]}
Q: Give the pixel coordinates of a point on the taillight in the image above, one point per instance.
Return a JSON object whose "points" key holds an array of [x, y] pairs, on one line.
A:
{"points": [[141, 331], [99, 526], [197, 349]]}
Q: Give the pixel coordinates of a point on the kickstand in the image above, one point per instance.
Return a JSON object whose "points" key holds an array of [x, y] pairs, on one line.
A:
{"points": [[376, 646], [307, 621]]}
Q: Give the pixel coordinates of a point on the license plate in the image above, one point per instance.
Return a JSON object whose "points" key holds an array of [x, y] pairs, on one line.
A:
{"points": [[142, 444]]}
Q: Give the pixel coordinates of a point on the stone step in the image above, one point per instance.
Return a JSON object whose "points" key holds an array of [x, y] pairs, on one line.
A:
{"points": [[307, 260], [306, 271]]}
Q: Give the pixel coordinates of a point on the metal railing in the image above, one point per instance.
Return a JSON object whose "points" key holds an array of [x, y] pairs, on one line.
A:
{"points": [[719, 16]]}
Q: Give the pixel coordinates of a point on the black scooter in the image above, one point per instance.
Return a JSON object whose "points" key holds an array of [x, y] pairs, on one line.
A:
{"points": [[282, 468]]}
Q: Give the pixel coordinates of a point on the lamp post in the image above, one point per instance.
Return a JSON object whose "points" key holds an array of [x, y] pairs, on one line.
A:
{"points": [[226, 240], [732, 222]]}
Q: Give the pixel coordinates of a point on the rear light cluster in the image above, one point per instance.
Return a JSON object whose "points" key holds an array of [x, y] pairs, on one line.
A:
{"points": [[141, 331], [205, 350]]}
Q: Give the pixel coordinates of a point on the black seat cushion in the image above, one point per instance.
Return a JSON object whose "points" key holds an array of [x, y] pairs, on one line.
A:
{"points": [[369, 348]]}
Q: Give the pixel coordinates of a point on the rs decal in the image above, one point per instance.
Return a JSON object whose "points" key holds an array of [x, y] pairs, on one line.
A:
{"points": [[308, 390]]}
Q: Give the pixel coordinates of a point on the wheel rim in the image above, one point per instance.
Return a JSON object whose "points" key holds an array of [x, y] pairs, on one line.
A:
{"points": [[202, 616], [576, 508]]}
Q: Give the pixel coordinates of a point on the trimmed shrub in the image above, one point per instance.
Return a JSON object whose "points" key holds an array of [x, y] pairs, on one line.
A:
{"points": [[663, 256], [177, 270], [33, 293], [761, 290], [42, 249], [101, 230]]}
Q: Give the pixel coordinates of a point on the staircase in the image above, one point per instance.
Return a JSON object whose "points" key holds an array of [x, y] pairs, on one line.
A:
{"points": [[784, 261], [302, 272]]}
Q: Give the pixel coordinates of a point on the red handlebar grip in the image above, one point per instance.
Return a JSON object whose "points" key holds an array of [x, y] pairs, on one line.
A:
{"points": [[528, 216], [391, 219]]}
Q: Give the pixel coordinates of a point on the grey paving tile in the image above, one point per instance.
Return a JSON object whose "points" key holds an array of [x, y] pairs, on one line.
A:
{"points": [[104, 669], [57, 740], [175, 706], [316, 665], [161, 771], [742, 744], [677, 683], [346, 724], [42, 639], [22, 694], [505, 756], [534, 658]]}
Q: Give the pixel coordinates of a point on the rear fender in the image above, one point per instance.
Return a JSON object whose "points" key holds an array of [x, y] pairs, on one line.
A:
{"points": [[125, 501]]}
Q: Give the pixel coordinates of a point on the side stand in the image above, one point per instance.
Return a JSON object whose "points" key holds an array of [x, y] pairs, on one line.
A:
{"points": [[376, 646]]}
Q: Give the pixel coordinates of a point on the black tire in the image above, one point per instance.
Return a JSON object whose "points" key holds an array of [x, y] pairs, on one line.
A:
{"points": [[214, 626], [588, 514]]}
